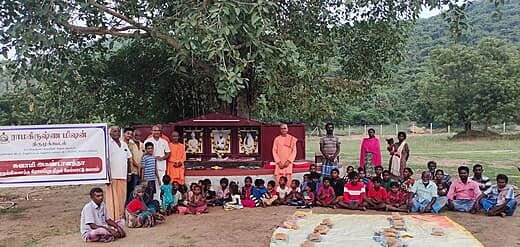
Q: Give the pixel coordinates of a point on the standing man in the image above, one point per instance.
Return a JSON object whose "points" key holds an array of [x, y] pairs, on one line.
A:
{"points": [[176, 161], [119, 160], [161, 152], [134, 171], [329, 147], [463, 192], [284, 153]]}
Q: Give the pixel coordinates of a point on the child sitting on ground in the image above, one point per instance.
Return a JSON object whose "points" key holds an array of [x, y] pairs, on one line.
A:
{"points": [[197, 203], [326, 194], [387, 180], [396, 199], [222, 192], [235, 202], [367, 183], [379, 171], [353, 194], [499, 199], [407, 181], [376, 196], [308, 195], [208, 192], [315, 178], [272, 198], [306, 179], [167, 196], [247, 192], [295, 197], [259, 192], [177, 196], [282, 190]]}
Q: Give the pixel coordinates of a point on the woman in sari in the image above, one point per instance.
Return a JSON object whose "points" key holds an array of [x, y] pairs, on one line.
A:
{"points": [[399, 153], [138, 214], [370, 155]]}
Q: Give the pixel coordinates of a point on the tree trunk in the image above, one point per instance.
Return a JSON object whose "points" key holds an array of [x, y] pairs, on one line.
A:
{"points": [[242, 106], [467, 126]]}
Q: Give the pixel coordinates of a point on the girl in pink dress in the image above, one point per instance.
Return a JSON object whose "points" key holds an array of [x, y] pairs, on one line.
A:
{"points": [[196, 201]]}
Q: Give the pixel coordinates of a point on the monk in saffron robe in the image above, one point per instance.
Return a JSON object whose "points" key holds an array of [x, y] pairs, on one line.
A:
{"points": [[284, 153], [175, 167]]}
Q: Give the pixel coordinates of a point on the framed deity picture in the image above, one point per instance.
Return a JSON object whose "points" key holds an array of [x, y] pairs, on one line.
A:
{"points": [[193, 139], [221, 141], [248, 141]]}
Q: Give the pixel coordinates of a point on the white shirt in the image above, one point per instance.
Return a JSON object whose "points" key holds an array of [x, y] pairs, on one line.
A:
{"points": [[160, 148], [282, 193], [118, 161], [93, 214]]}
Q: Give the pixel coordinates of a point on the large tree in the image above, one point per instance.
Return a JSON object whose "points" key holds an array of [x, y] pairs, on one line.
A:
{"points": [[236, 48], [468, 84]]}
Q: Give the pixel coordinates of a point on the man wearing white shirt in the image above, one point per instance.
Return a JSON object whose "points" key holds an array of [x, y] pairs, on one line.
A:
{"points": [[119, 160], [161, 152]]}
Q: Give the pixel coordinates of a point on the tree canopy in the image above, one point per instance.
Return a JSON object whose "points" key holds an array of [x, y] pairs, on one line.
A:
{"points": [[118, 60]]}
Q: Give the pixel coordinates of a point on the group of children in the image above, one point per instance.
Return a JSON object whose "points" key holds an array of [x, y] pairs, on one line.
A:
{"points": [[356, 190]]}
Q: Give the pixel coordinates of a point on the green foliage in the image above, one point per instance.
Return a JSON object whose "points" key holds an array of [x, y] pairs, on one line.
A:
{"points": [[229, 53], [473, 84]]}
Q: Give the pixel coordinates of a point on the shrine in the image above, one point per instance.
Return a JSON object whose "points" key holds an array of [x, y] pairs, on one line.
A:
{"points": [[220, 145]]}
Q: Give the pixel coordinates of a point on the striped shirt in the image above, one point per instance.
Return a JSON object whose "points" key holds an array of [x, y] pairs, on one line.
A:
{"points": [[148, 163], [354, 192]]}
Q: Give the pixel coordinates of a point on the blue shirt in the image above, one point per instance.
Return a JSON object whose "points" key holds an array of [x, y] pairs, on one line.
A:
{"points": [[500, 196], [258, 192], [148, 163]]}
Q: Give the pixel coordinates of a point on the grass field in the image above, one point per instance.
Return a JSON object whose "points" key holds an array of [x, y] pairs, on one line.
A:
{"points": [[497, 155]]}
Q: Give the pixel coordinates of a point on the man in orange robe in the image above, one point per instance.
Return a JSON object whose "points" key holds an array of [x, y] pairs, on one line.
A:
{"points": [[284, 153], [175, 168]]}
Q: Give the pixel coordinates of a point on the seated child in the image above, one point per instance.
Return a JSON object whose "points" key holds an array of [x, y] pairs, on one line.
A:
{"points": [[376, 196], [197, 204], [396, 199], [272, 195], [282, 190], [259, 192], [326, 194], [387, 180], [379, 171], [407, 181], [177, 196], [499, 199], [315, 178], [167, 196], [308, 195], [235, 202], [208, 192], [247, 192], [138, 215], [366, 181], [222, 192], [353, 194], [337, 184], [295, 197], [306, 179]]}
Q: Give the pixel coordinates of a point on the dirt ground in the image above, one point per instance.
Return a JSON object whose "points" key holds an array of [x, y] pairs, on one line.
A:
{"points": [[51, 218]]}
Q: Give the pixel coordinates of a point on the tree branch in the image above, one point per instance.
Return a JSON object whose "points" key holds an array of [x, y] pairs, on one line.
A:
{"points": [[120, 16], [103, 31]]}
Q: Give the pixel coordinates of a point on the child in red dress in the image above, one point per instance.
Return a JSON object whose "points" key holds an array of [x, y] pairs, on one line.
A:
{"points": [[325, 194], [353, 194]]}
